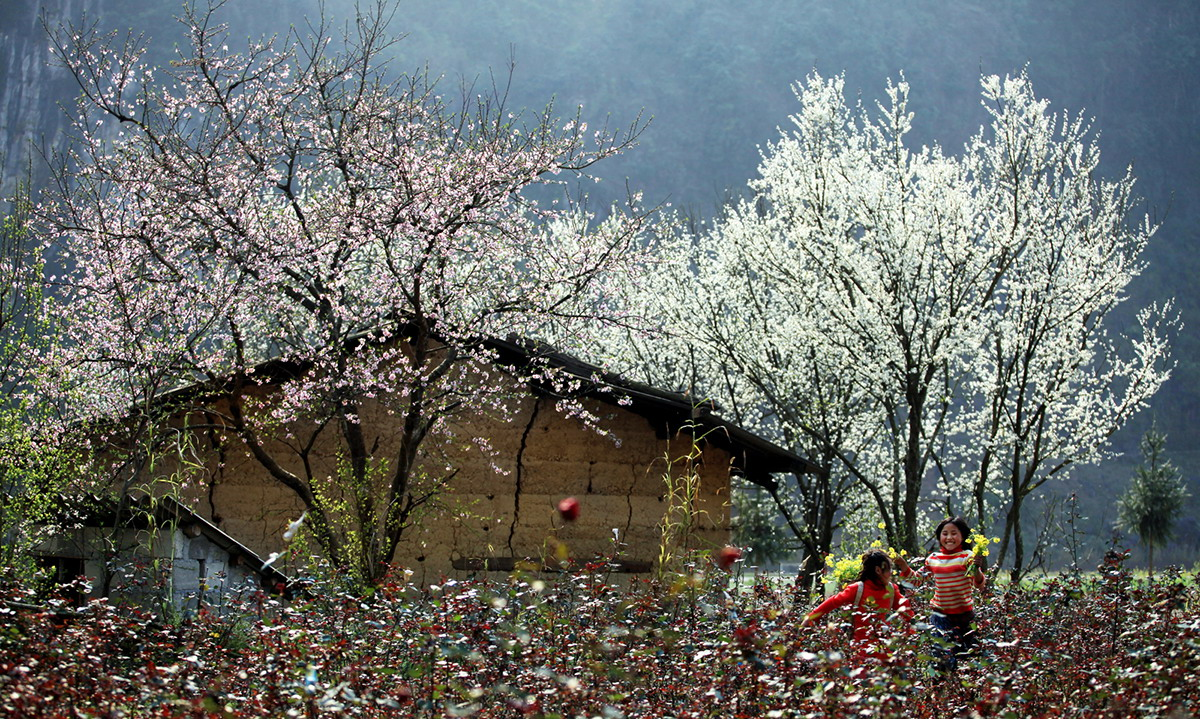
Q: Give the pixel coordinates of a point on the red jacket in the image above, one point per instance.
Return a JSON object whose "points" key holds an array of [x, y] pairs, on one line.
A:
{"points": [[870, 612]]}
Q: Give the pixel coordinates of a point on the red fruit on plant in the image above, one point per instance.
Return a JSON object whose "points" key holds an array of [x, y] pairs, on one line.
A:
{"points": [[568, 509], [745, 635], [727, 555]]}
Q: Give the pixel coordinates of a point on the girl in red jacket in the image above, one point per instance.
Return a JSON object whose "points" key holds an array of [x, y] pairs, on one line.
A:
{"points": [[873, 599]]}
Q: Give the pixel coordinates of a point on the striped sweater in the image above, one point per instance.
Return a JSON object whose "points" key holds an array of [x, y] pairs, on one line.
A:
{"points": [[951, 581]]}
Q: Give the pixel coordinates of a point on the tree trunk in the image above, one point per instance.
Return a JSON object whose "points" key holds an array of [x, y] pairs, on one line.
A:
{"points": [[913, 464], [1018, 567]]}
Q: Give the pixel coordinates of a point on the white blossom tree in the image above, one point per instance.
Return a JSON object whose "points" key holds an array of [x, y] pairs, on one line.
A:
{"points": [[300, 204], [931, 326], [1051, 384], [718, 342]]}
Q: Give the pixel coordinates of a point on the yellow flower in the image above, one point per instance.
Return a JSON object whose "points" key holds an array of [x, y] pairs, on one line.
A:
{"points": [[847, 570], [882, 525], [979, 544]]}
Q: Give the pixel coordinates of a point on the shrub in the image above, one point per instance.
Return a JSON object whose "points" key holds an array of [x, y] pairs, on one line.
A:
{"points": [[573, 645]]}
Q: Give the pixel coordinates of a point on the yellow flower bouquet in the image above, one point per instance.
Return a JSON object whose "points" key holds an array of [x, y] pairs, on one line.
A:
{"points": [[979, 544]]}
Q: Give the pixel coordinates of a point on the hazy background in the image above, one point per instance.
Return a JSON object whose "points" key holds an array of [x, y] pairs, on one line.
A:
{"points": [[716, 76]]}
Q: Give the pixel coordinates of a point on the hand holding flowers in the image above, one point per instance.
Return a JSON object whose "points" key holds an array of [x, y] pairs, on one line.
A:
{"points": [[979, 547]]}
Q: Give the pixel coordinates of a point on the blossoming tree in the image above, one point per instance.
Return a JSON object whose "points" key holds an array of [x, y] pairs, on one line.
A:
{"points": [[719, 341], [1051, 383], [298, 203], [932, 328]]}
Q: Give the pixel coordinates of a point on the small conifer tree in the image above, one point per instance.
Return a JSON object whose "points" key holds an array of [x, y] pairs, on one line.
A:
{"points": [[1155, 497]]}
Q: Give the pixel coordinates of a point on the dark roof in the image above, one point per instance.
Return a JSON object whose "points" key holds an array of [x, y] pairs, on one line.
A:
{"points": [[184, 517], [754, 456]]}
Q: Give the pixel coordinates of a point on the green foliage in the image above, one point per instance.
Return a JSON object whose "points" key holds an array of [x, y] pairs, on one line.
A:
{"points": [[755, 526], [1152, 504], [31, 475], [677, 527], [34, 464]]}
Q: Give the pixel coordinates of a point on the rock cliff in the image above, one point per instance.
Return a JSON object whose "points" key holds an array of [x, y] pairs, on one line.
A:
{"points": [[32, 91]]}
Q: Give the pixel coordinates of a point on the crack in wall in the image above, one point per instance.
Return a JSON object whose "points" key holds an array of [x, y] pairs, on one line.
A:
{"points": [[652, 474], [629, 501], [520, 473], [633, 481], [218, 472]]}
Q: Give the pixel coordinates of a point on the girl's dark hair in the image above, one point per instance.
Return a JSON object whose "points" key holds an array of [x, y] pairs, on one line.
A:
{"points": [[873, 559], [963, 528]]}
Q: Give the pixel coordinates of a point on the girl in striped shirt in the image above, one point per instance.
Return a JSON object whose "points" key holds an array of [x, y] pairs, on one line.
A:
{"points": [[954, 575]]}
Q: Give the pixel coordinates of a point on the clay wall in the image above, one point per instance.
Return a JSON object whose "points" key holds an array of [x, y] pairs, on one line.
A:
{"points": [[501, 505]]}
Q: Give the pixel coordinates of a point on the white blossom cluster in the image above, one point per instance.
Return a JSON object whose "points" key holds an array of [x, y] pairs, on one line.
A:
{"points": [[934, 329]]}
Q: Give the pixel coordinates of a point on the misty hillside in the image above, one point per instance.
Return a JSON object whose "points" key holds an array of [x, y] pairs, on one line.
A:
{"points": [[716, 78]]}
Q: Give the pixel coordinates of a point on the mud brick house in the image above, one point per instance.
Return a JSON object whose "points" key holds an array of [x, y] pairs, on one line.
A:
{"points": [[500, 510]]}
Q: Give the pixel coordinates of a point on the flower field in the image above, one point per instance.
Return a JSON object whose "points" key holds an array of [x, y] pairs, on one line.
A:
{"points": [[700, 645]]}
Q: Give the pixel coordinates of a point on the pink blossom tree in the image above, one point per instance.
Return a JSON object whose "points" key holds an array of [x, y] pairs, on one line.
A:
{"points": [[298, 207]]}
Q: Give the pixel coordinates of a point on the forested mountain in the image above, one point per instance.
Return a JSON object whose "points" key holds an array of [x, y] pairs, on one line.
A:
{"points": [[715, 78]]}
